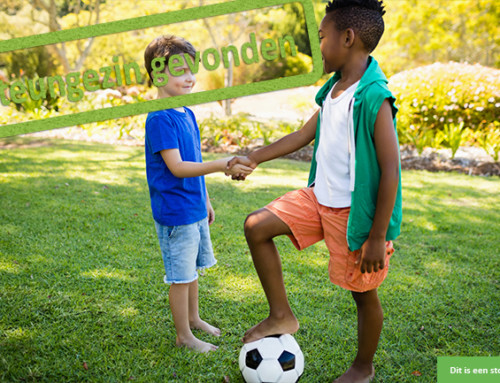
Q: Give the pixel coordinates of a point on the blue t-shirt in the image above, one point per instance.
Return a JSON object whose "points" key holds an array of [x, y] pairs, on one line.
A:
{"points": [[174, 201]]}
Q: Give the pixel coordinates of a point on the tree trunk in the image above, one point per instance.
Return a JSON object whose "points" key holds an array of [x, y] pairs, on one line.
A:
{"points": [[229, 83], [60, 49]]}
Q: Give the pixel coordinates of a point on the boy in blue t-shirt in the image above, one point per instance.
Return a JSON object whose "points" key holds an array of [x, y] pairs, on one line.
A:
{"points": [[179, 199]]}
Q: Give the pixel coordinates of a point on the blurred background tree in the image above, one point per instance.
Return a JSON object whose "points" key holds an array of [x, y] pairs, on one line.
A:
{"points": [[20, 18], [421, 32], [418, 32], [224, 31]]}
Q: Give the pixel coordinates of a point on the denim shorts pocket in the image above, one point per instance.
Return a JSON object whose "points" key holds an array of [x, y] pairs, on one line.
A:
{"points": [[170, 231]]}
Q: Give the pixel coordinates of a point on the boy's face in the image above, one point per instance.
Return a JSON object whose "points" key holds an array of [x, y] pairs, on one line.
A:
{"points": [[331, 45], [178, 85]]}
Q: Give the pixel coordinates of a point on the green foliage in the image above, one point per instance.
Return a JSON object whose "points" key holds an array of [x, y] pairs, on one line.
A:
{"points": [[420, 32], [452, 136], [289, 20], [28, 62], [132, 126], [299, 64], [39, 109], [419, 138], [283, 67], [35, 108], [83, 300], [241, 131], [489, 140], [446, 103]]}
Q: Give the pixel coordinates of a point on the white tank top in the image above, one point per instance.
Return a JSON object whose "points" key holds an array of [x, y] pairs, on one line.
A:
{"points": [[333, 175]]}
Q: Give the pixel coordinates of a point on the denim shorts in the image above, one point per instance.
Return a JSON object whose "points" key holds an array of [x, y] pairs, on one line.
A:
{"points": [[185, 249]]}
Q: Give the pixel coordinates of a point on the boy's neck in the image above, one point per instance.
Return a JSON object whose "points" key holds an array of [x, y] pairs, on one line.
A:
{"points": [[354, 69], [162, 94]]}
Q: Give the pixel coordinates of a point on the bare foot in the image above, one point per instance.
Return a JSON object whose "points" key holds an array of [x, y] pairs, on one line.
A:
{"points": [[200, 324], [270, 326], [196, 345], [354, 375]]}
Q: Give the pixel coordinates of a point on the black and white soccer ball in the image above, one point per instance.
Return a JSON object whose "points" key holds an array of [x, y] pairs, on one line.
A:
{"points": [[273, 359]]}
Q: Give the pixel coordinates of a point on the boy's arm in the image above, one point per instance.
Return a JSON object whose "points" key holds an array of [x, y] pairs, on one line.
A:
{"points": [[372, 254], [288, 144], [184, 169]]}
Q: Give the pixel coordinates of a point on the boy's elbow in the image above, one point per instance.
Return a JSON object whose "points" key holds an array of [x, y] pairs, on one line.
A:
{"points": [[176, 173], [394, 174], [176, 170], [395, 170]]}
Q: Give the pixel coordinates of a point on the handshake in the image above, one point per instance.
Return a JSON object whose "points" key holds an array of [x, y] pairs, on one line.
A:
{"points": [[240, 167]]}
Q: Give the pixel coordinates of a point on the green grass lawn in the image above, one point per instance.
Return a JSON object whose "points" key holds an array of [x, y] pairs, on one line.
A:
{"points": [[82, 297]]}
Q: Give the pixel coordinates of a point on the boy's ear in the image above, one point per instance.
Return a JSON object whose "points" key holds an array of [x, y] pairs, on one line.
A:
{"points": [[349, 36]]}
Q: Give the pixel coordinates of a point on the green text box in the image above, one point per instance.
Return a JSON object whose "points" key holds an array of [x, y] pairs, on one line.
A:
{"points": [[468, 369], [165, 103]]}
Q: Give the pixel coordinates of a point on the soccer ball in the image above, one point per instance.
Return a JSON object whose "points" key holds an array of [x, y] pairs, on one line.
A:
{"points": [[273, 359]]}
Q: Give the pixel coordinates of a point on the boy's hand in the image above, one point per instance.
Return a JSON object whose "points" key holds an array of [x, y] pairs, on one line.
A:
{"points": [[210, 212], [235, 162], [372, 255], [238, 170]]}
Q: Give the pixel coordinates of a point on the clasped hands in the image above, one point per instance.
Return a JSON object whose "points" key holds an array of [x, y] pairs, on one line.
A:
{"points": [[240, 167]]}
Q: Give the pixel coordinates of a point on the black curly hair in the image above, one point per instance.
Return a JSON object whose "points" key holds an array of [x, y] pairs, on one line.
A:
{"points": [[362, 16]]}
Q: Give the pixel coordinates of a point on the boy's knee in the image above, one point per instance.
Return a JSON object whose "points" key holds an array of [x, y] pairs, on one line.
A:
{"points": [[252, 226], [262, 225], [256, 228]]}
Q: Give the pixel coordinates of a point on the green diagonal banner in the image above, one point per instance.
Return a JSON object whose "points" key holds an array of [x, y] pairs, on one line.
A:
{"points": [[172, 102]]}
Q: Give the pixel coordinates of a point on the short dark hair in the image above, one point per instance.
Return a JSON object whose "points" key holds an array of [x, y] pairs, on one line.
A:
{"points": [[363, 16], [166, 46]]}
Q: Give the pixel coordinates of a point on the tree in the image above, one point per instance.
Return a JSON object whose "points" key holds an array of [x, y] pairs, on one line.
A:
{"points": [[226, 32], [46, 12], [421, 32], [442, 30]]}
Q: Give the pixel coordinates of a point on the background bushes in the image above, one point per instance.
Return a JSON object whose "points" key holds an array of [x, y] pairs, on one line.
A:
{"points": [[449, 105]]}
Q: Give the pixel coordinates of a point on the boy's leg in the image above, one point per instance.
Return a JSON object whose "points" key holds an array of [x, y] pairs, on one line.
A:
{"points": [[261, 227], [370, 318], [194, 316], [179, 304]]}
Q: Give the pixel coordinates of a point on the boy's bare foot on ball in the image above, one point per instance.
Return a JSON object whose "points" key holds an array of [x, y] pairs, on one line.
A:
{"points": [[270, 326]]}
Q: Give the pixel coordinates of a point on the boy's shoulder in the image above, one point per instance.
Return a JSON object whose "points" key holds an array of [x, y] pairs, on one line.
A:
{"points": [[156, 116], [163, 113], [171, 120], [168, 115], [373, 87], [377, 89]]}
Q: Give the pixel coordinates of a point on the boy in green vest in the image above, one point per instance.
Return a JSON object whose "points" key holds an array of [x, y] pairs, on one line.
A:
{"points": [[353, 200]]}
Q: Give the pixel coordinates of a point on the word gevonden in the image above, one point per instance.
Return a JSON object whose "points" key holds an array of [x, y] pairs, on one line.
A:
{"points": [[70, 85]]}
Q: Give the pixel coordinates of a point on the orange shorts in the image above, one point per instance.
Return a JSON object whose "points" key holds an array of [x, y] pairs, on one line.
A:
{"points": [[311, 222]]}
